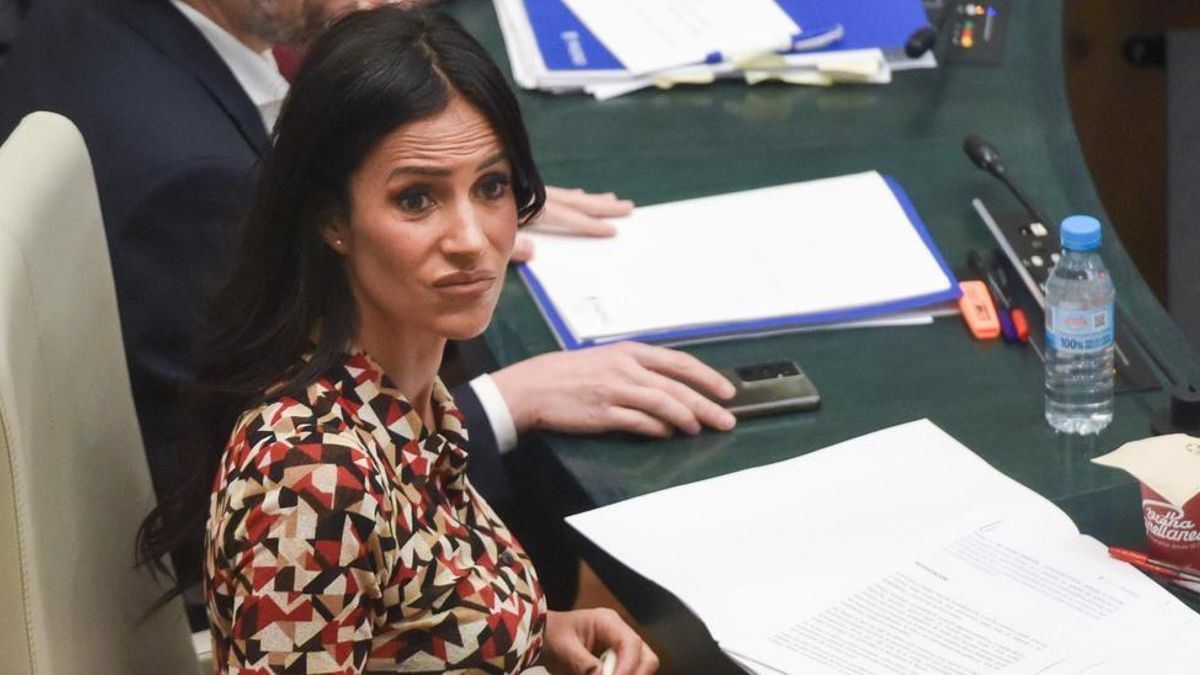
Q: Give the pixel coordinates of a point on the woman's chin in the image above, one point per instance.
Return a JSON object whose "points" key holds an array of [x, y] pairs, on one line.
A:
{"points": [[466, 330]]}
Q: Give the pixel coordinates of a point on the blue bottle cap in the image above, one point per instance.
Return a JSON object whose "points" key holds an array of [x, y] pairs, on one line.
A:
{"points": [[1081, 233]]}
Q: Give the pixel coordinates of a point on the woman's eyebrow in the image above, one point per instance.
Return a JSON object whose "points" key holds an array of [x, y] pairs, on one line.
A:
{"points": [[490, 161], [442, 171], [420, 171]]}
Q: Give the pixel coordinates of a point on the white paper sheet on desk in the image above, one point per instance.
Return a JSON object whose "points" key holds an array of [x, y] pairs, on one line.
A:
{"points": [[828, 245], [785, 67], [888, 551], [651, 35]]}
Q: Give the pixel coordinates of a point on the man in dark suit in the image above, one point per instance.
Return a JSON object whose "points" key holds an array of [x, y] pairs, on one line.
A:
{"points": [[174, 102], [11, 12], [173, 141]]}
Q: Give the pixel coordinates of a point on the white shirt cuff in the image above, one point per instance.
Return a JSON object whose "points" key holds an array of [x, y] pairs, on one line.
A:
{"points": [[496, 409]]}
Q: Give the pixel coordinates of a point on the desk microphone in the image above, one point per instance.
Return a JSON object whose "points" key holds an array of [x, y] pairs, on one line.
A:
{"points": [[922, 40], [1183, 414], [986, 157], [925, 38]]}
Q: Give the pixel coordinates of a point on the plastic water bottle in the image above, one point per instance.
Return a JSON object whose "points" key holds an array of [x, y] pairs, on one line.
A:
{"points": [[1079, 333]]}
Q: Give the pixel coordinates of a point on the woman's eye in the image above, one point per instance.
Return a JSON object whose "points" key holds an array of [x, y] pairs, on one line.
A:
{"points": [[494, 187], [413, 202]]}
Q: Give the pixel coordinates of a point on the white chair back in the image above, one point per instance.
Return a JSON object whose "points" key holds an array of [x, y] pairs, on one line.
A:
{"points": [[74, 483]]}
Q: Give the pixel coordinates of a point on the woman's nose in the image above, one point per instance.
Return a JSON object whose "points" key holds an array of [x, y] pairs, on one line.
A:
{"points": [[464, 233]]}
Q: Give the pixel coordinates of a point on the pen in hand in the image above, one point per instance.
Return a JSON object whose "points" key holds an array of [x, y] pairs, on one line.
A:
{"points": [[608, 662]]}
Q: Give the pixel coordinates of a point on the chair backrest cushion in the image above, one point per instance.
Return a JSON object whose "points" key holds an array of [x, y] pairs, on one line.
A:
{"points": [[73, 477]]}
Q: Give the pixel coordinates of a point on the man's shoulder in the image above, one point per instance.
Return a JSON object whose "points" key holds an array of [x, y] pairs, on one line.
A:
{"points": [[86, 61], [149, 121]]}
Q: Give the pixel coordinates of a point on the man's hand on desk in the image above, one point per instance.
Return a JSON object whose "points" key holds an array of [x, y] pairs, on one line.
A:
{"points": [[573, 211], [628, 386]]}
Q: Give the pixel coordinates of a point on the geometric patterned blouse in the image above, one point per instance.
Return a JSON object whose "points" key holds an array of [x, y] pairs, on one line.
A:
{"points": [[343, 536]]}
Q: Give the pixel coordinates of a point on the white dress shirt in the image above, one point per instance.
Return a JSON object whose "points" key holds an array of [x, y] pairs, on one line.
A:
{"points": [[496, 409], [256, 72]]}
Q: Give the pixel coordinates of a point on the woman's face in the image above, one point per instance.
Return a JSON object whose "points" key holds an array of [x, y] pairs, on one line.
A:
{"points": [[432, 221]]}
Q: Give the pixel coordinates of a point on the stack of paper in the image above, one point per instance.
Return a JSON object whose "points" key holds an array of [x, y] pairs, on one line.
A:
{"points": [[818, 253], [610, 47], [897, 552]]}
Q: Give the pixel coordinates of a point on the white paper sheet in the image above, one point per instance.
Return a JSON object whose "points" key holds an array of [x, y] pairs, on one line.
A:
{"points": [[836, 562], [987, 597], [651, 35]]}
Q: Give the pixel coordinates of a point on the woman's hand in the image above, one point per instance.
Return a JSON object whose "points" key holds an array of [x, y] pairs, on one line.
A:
{"points": [[575, 640], [573, 211]]}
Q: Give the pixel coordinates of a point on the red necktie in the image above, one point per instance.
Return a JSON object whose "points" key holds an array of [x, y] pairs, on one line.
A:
{"points": [[289, 59]]}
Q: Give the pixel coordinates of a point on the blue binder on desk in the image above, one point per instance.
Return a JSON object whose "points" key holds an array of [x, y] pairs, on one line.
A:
{"points": [[790, 257], [568, 52]]}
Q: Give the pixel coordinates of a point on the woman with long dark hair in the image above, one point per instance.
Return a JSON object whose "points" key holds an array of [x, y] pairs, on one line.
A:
{"points": [[341, 533]]}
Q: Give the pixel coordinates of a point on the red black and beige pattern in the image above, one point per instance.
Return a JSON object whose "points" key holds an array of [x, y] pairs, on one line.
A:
{"points": [[343, 536]]}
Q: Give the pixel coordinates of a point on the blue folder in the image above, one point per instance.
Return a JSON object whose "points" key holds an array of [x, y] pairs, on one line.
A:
{"points": [[567, 46], [759, 326]]}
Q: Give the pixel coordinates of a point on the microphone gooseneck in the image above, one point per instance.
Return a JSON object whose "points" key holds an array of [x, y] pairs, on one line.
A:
{"points": [[985, 156]]}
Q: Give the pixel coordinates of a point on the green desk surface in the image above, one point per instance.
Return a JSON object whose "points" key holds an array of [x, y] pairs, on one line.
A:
{"points": [[657, 146]]}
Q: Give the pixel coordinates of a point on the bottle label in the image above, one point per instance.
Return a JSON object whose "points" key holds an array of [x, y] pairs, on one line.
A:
{"points": [[1079, 330]]}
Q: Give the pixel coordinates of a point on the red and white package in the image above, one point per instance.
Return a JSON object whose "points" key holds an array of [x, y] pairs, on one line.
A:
{"points": [[1168, 468]]}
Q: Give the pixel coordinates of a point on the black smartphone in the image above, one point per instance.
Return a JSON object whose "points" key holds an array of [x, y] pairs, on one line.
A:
{"points": [[770, 388]]}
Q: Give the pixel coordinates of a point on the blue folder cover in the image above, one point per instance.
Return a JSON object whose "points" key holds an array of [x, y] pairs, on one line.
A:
{"points": [[566, 45], [732, 330]]}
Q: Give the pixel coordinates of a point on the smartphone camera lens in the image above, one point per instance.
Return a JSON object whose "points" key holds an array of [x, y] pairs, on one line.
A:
{"points": [[767, 371]]}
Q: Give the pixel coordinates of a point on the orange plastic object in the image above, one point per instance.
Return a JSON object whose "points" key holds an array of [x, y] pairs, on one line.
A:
{"points": [[1021, 324], [978, 310]]}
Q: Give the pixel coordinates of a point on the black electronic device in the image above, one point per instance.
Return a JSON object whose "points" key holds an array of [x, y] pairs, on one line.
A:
{"points": [[770, 388], [1036, 246], [963, 31], [977, 30]]}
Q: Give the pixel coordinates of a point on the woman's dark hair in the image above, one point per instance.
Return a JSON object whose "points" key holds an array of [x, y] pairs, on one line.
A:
{"points": [[287, 294]]}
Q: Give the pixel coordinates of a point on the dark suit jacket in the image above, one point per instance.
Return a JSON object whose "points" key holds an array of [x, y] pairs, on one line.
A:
{"points": [[174, 143]]}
